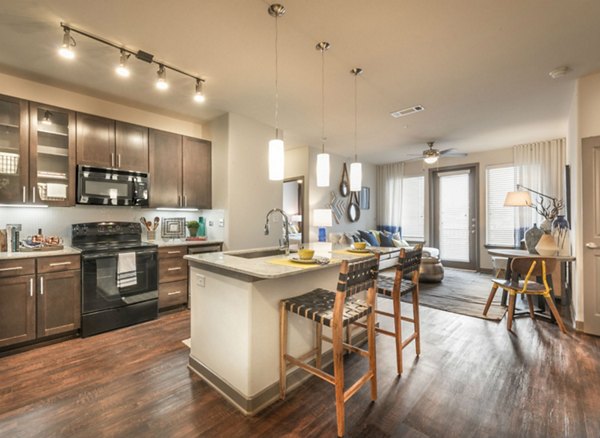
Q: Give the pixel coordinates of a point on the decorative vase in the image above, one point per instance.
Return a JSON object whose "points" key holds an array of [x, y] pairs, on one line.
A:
{"points": [[560, 231], [193, 231], [546, 226], [532, 237], [546, 247], [202, 229]]}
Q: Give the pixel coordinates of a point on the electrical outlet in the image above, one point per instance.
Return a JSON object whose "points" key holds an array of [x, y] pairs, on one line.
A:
{"points": [[221, 223], [211, 224], [200, 280]]}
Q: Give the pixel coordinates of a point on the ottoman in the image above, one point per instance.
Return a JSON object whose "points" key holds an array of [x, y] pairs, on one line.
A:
{"points": [[432, 270]]}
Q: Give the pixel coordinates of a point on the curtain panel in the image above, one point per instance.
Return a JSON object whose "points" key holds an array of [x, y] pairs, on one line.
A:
{"points": [[539, 166], [389, 196]]}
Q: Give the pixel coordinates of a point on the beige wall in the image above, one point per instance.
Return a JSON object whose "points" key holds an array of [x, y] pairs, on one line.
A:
{"points": [[487, 158], [38, 92]]}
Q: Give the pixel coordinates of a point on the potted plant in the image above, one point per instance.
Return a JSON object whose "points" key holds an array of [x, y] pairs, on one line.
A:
{"points": [[193, 227]]}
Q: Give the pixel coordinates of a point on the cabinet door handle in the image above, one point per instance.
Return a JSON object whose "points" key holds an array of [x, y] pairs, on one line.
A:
{"points": [[24, 194], [185, 200], [31, 287], [174, 269], [59, 263], [591, 245], [118, 160], [41, 285], [173, 252], [14, 268], [178, 200], [112, 159], [33, 194], [176, 292]]}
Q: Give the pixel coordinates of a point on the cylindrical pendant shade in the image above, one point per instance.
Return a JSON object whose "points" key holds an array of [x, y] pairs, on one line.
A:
{"points": [[323, 170], [355, 177], [276, 160]]}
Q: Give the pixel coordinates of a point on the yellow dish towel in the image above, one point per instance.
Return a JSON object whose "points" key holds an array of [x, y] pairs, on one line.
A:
{"points": [[287, 262]]}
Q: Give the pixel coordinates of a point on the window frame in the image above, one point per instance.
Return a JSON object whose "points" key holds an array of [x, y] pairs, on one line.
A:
{"points": [[487, 210]]}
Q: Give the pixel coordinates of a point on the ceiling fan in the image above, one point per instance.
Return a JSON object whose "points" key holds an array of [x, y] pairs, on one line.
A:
{"points": [[431, 155]]}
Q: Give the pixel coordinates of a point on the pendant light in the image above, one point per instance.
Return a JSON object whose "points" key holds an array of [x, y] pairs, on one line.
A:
{"points": [[276, 150], [323, 158], [355, 167]]}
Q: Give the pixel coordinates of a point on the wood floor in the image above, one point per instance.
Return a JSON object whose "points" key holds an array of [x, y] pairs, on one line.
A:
{"points": [[473, 379]]}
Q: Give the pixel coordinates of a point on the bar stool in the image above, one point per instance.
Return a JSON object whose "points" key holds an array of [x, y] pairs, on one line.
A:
{"points": [[335, 310], [408, 265]]}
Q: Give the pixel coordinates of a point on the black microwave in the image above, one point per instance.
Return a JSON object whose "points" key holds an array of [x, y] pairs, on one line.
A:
{"points": [[99, 186]]}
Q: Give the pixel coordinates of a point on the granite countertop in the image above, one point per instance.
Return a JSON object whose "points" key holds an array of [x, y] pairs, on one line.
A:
{"points": [[67, 250], [183, 242], [260, 268]]}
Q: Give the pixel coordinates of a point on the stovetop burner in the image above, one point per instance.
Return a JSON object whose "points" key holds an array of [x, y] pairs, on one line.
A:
{"points": [[108, 236], [113, 246]]}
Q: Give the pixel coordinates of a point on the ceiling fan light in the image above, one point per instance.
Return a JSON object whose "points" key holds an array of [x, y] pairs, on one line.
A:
{"points": [[430, 159], [323, 170], [355, 177]]}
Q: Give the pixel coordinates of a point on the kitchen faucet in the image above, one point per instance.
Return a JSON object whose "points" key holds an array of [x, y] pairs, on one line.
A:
{"points": [[285, 242]]}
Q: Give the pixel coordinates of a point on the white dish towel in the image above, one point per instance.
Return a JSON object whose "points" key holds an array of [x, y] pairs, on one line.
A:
{"points": [[126, 273]]}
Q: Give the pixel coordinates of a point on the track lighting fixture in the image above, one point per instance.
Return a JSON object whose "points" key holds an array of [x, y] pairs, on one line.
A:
{"points": [[47, 120], [122, 69], [67, 48], [67, 51], [161, 81], [199, 95]]}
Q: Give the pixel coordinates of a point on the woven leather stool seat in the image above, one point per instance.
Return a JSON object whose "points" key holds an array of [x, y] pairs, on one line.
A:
{"points": [[318, 306], [385, 285]]}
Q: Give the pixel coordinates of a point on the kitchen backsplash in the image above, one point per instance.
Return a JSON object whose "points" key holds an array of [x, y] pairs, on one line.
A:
{"points": [[58, 220]]}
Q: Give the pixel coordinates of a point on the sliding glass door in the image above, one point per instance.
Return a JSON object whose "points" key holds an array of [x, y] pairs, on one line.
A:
{"points": [[455, 209]]}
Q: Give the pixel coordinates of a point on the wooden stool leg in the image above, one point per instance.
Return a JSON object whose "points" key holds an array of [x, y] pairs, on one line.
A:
{"points": [[490, 299], [372, 349], [398, 332], [319, 346], [416, 318], [531, 310], [554, 311], [511, 310], [282, 349], [338, 374]]}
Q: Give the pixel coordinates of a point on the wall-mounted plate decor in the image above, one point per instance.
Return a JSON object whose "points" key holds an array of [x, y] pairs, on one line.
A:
{"points": [[173, 228], [345, 182], [353, 208]]}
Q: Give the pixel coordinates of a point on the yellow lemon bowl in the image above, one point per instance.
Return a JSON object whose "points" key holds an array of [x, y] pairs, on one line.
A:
{"points": [[360, 245], [306, 254]]}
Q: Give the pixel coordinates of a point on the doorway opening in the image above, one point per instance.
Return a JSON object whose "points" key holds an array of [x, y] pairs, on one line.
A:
{"points": [[293, 206]]}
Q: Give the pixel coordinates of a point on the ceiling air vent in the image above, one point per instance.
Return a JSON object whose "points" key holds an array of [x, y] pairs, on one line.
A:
{"points": [[407, 111]]}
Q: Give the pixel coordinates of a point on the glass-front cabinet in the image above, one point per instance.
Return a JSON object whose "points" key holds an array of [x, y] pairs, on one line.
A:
{"points": [[52, 155], [14, 151]]}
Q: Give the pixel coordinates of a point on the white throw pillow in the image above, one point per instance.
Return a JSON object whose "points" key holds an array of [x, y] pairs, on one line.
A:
{"points": [[399, 243]]}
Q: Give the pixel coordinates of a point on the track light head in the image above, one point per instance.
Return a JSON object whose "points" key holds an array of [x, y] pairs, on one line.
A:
{"points": [[199, 94], [66, 49], [122, 69], [161, 81], [47, 120]]}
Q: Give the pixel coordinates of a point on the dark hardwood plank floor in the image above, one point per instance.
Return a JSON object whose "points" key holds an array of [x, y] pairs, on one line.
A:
{"points": [[473, 379]]}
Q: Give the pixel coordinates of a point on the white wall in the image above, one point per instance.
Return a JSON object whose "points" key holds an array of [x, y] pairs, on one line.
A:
{"points": [[487, 158]]}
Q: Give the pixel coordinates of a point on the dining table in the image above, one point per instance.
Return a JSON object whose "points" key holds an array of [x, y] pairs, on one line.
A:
{"points": [[554, 278]]}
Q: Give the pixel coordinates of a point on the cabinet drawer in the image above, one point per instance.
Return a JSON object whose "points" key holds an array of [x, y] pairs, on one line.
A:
{"points": [[11, 268], [60, 263], [172, 294], [172, 269], [172, 251]]}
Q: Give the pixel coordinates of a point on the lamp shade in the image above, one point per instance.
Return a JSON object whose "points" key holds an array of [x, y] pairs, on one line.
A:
{"points": [[517, 199], [323, 170], [355, 177], [276, 157], [322, 217]]}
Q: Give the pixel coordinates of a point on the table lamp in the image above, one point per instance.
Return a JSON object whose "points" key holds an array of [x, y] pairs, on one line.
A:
{"points": [[322, 218]]}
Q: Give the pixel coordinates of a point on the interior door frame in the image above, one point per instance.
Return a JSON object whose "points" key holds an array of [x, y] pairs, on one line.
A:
{"points": [[474, 213], [301, 189]]}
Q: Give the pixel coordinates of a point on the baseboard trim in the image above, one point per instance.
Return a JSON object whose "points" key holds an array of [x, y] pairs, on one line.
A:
{"points": [[253, 405]]}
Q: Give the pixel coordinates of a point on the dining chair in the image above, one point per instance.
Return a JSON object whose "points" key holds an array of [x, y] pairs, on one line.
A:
{"points": [[523, 269], [336, 310]]}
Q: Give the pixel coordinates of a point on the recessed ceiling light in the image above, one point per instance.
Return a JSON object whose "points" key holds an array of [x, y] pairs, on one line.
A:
{"points": [[559, 72], [407, 111]]}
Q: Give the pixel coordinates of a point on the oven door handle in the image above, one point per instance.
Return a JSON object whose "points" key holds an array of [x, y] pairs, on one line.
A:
{"points": [[116, 254]]}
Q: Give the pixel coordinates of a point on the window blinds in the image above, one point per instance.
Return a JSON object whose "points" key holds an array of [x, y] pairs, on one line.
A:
{"points": [[500, 229], [413, 208]]}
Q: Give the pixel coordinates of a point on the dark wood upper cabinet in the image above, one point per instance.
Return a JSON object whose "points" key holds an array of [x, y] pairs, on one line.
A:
{"points": [[58, 303], [165, 169], [197, 188], [17, 309], [51, 155], [95, 141], [131, 147], [14, 151]]}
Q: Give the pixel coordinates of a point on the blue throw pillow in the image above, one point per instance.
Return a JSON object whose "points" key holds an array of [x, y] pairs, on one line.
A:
{"points": [[386, 239], [368, 237]]}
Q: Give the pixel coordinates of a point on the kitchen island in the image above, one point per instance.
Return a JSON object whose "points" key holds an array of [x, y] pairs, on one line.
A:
{"points": [[235, 319]]}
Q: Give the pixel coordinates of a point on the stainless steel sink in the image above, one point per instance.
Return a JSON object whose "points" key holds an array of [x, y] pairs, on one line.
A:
{"points": [[256, 254]]}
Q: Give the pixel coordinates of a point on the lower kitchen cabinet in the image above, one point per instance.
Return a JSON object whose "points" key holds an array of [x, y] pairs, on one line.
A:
{"points": [[17, 309], [58, 303]]}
